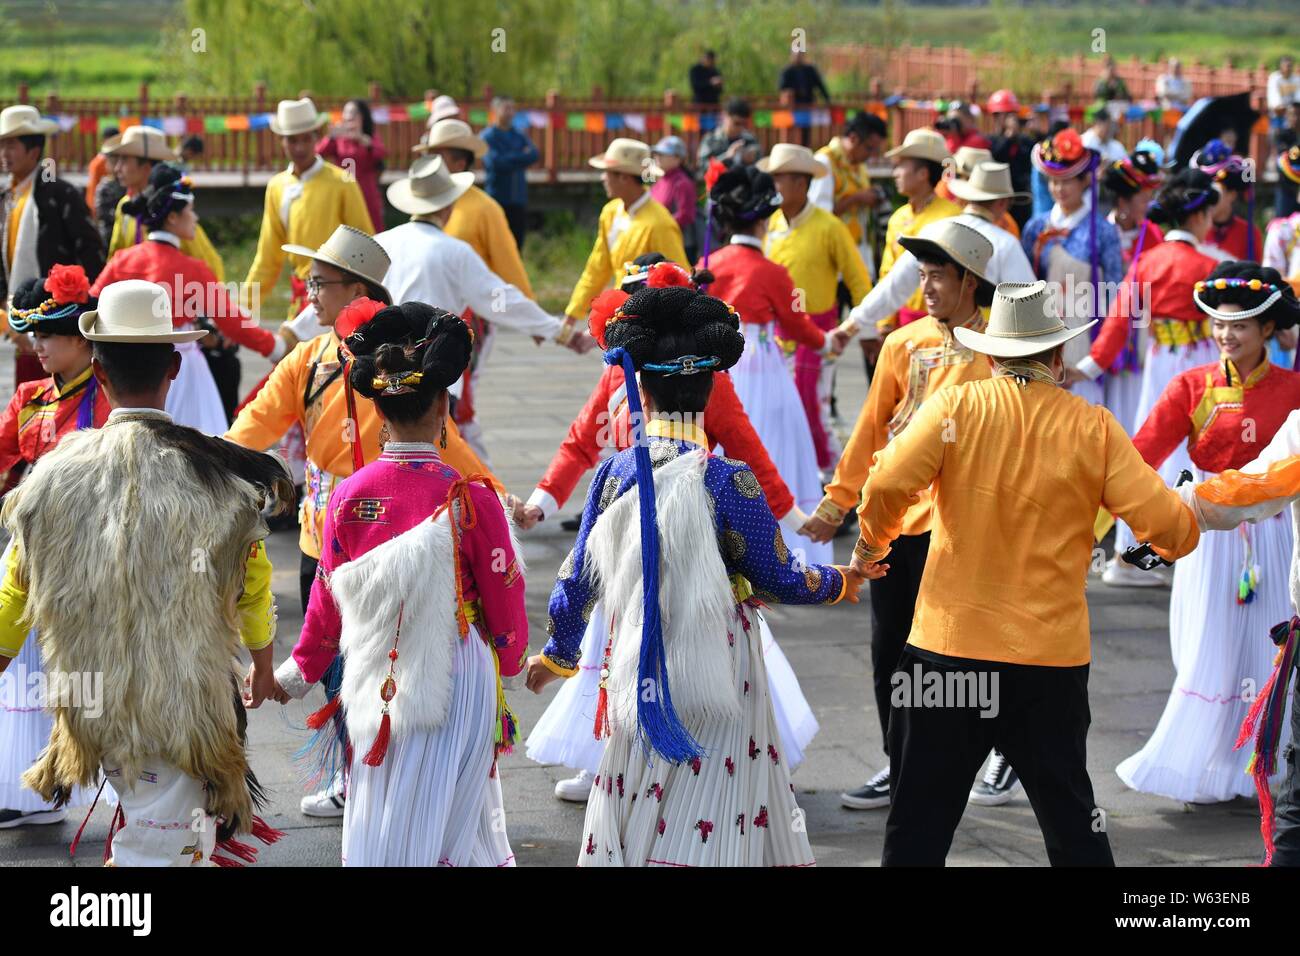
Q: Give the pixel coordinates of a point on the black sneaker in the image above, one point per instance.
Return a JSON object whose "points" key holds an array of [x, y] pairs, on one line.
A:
{"points": [[571, 524], [19, 818], [999, 785], [871, 795]]}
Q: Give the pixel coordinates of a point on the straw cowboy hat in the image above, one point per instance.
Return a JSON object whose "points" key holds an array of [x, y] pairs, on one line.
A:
{"points": [[135, 311], [924, 144], [296, 116], [144, 142], [428, 187], [444, 107], [988, 181], [451, 134], [962, 244], [1023, 321], [965, 160], [24, 121], [790, 158], [630, 156], [354, 252]]}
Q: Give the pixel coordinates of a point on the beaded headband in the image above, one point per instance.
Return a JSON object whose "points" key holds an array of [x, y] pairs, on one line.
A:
{"points": [[22, 320], [1254, 285], [684, 365]]}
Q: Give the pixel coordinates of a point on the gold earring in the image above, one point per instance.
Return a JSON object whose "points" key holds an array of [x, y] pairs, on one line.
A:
{"points": [[442, 440]]}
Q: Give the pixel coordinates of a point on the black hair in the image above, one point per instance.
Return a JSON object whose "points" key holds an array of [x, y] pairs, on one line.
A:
{"points": [[738, 107], [1283, 313], [659, 325], [1233, 179], [134, 368], [31, 293], [367, 118], [742, 196], [465, 155], [110, 131], [1056, 127], [411, 337], [155, 202], [866, 124], [933, 256], [933, 169], [33, 141], [194, 144], [1182, 196]]}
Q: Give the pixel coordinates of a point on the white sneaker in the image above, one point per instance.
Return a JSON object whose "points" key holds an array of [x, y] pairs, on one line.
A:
{"points": [[17, 818], [328, 802], [1121, 574], [999, 785], [575, 789]]}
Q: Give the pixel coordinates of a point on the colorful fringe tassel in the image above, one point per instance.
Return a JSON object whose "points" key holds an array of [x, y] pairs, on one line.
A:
{"points": [[1248, 581], [1264, 723]]}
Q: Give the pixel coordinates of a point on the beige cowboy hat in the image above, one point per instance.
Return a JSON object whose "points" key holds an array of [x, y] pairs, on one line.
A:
{"points": [[355, 253], [428, 187], [296, 116], [925, 144], [451, 134], [629, 156], [988, 181], [792, 158], [24, 121], [134, 311], [965, 160], [144, 142], [1023, 321], [960, 243], [444, 107]]}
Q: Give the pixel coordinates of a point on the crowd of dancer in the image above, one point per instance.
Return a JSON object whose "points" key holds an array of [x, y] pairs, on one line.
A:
{"points": [[1035, 379]]}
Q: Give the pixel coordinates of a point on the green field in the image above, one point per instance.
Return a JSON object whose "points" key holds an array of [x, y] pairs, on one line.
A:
{"points": [[109, 47]]}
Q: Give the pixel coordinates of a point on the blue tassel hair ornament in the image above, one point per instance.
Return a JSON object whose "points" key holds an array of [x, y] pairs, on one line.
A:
{"points": [[660, 728]]}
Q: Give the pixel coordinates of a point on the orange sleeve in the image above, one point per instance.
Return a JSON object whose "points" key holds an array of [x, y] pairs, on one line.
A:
{"points": [[871, 431]]}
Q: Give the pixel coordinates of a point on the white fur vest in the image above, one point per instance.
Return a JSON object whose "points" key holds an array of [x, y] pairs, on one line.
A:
{"points": [[696, 602], [134, 538]]}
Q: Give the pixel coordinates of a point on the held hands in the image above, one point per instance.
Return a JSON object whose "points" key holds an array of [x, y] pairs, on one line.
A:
{"points": [[582, 342], [838, 340], [537, 675], [524, 515], [819, 529], [868, 571], [853, 579], [261, 685]]}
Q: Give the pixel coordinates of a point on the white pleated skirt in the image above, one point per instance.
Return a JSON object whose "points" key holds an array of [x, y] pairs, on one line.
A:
{"points": [[565, 734], [1123, 390], [1162, 365], [1222, 658], [25, 731], [767, 391], [434, 801], [193, 399], [733, 807]]}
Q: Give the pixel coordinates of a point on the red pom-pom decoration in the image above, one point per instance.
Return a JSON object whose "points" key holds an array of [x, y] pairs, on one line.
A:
{"points": [[665, 274], [1067, 145], [716, 169], [603, 308], [68, 284], [356, 314]]}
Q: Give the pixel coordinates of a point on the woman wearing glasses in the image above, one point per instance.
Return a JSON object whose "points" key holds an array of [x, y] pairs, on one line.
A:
{"points": [[165, 207]]}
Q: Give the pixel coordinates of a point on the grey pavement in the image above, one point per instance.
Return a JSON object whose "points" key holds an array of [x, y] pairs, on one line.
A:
{"points": [[529, 398]]}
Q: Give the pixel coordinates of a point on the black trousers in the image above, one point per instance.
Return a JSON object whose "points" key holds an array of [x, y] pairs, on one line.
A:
{"points": [[1038, 717], [893, 600], [306, 575], [1286, 838], [517, 219]]}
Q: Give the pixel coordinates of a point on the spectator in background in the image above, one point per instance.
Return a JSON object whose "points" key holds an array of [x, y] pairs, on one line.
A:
{"points": [[847, 192], [803, 81], [108, 193], [675, 189], [1283, 138], [706, 80], [96, 170], [1172, 90], [1101, 137], [1283, 87], [510, 153], [191, 148], [1012, 145], [1043, 200], [1110, 86], [353, 146], [959, 129], [731, 141]]}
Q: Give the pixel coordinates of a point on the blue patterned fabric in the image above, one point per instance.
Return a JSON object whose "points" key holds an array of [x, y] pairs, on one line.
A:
{"points": [[748, 537]]}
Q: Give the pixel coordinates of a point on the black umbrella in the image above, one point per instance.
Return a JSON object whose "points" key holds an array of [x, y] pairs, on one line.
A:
{"points": [[1206, 120]]}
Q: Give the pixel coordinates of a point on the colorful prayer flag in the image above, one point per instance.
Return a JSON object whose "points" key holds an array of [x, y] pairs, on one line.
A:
{"points": [[416, 111], [690, 123], [782, 119], [762, 119], [194, 124], [173, 125], [708, 121], [674, 120], [614, 121], [214, 124], [593, 122], [537, 119], [654, 122], [398, 113], [88, 124], [635, 121], [237, 121], [575, 121], [478, 117]]}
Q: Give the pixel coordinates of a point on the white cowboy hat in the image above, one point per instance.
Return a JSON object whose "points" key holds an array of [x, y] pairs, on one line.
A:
{"points": [[451, 134], [296, 116], [965, 160], [922, 143], [24, 121], [135, 311], [629, 156], [142, 141], [428, 187], [962, 244], [987, 182], [354, 252], [1023, 321], [792, 158], [444, 107]]}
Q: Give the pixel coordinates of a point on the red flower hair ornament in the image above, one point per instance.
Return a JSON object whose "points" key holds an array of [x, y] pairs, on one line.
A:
{"points": [[354, 315], [603, 308], [68, 284]]}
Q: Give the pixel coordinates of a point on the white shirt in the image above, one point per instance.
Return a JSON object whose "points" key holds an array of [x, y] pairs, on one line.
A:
{"points": [[822, 191], [1007, 264], [624, 219], [1173, 90], [429, 266], [1283, 90], [1111, 151]]}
